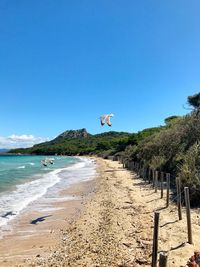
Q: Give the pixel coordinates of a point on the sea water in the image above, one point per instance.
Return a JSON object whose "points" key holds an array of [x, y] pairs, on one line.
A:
{"points": [[24, 180]]}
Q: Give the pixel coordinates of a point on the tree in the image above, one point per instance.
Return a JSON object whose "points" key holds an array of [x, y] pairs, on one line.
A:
{"points": [[194, 101], [172, 119]]}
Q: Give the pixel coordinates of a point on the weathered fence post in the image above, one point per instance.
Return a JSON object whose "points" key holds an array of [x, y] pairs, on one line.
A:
{"points": [[153, 177], [137, 167], [178, 189], [145, 174], [163, 259], [189, 225], [140, 170], [156, 181], [161, 184], [155, 240], [149, 175], [168, 188], [132, 165], [128, 164], [123, 162]]}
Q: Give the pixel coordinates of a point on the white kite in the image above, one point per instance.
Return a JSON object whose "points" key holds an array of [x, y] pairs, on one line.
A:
{"points": [[106, 119]]}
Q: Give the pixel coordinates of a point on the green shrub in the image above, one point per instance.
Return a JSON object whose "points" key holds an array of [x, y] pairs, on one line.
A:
{"points": [[189, 172]]}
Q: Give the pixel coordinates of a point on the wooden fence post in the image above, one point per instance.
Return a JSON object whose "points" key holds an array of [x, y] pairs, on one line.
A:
{"points": [[132, 165], [163, 259], [145, 174], [161, 184], [178, 189], [153, 177], [155, 240], [136, 168], [189, 225], [168, 188], [156, 181], [149, 175], [127, 164], [140, 170]]}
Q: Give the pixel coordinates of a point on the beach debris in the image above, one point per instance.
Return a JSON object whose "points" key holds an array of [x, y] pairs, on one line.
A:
{"points": [[127, 244], [128, 202], [106, 119]]}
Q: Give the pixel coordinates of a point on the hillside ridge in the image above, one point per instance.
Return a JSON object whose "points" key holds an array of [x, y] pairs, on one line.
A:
{"points": [[80, 133]]}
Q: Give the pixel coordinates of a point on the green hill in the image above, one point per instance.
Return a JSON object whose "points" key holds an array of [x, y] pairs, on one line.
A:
{"points": [[78, 142]]}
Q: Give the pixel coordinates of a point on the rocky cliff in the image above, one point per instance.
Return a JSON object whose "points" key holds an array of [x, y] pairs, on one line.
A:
{"points": [[81, 133]]}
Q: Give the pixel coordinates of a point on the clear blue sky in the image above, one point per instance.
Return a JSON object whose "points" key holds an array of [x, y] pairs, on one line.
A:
{"points": [[64, 63]]}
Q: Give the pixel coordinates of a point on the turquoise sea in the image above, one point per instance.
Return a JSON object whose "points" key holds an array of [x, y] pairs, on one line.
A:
{"points": [[24, 180], [19, 169]]}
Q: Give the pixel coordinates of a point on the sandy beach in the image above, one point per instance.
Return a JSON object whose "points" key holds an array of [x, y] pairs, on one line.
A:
{"points": [[36, 233], [109, 223]]}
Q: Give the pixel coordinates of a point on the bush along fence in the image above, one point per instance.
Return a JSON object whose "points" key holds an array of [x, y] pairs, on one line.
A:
{"points": [[161, 181]]}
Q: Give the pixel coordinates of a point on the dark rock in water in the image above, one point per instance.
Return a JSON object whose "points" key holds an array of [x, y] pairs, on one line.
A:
{"points": [[74, 134]]}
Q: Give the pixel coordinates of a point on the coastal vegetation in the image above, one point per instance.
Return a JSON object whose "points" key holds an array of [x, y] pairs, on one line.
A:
{"points": [[80, 142], [173, 147]]}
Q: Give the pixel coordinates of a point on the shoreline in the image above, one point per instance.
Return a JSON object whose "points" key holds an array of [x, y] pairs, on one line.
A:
{"points": [[41, 185], [111, 224], [36, 232], [26, 182]]}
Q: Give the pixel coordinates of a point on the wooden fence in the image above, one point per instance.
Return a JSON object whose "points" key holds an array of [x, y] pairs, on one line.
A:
{"points": [[161, 181]]}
